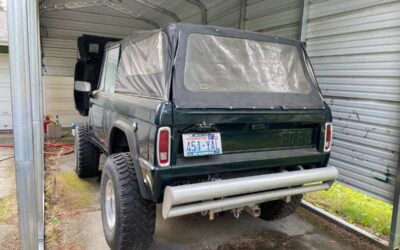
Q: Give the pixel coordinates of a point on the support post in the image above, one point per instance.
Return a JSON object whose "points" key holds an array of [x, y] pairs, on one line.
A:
{"points": [[394, 242], [242, 20], [26, 93], [304, 21]]}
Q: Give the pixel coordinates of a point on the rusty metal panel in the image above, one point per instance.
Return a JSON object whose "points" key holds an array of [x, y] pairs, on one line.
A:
{"points": [[355, 50]]}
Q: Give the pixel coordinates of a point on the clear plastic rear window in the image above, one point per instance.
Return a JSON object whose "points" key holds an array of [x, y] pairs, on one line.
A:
{"points": [[226, 64]]}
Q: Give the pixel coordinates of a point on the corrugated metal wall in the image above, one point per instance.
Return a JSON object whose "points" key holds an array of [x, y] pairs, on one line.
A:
{"points": [[279, 18], [222, 13], [5, 94], [355, 50]]}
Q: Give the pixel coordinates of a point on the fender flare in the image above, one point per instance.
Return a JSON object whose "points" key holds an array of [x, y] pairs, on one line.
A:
{"points": [[131, 137]]}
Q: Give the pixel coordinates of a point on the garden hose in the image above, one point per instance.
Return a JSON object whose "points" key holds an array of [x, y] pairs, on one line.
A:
{"points": [[65, 149]]}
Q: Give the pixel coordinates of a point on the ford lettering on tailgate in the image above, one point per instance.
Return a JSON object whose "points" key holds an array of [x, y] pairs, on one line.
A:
{"points": [[296, 137]]}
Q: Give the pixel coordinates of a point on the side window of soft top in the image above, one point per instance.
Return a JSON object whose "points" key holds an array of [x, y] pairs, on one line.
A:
{"points": [[109, 71]]}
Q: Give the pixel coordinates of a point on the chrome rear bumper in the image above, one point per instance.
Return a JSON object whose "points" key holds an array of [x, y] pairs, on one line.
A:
{"points": [[245, 191]]}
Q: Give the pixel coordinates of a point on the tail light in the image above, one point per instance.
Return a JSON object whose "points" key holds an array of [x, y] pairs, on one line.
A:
{"points": [[328, 137], [163, 146]]}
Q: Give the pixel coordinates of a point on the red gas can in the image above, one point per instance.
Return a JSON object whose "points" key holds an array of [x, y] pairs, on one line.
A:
{"points": [[46, 121]]}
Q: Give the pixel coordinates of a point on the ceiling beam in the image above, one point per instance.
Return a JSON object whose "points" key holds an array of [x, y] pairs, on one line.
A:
{"points": [[117, 7], [159, 9], [242, 19], [203, 9], [304, 20], [134, 15]]}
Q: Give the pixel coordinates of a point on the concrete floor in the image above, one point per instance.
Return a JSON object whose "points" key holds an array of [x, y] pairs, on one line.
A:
{"points": [[70, 225]]}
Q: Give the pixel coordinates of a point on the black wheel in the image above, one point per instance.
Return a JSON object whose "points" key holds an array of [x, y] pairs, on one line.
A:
{"points": [[86, 154], [273, 210], [128, 219]]}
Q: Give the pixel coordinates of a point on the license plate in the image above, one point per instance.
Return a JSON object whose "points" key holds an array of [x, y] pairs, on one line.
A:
{"points": [[198, 144]]}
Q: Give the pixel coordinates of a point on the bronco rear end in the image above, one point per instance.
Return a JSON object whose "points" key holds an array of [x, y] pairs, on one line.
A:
{"points": [[249, 124], [203, 119]]}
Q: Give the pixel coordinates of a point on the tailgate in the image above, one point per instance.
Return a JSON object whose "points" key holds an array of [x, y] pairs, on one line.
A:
{"points": [[251, 131], [250, 139]]}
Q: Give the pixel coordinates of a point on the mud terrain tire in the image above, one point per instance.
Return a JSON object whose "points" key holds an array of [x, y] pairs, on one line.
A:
{"points": [[86, 154], [133, 225]]}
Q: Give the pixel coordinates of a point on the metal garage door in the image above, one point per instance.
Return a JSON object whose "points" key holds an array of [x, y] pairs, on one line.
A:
{"points": [[5, 94], [355, 51]]}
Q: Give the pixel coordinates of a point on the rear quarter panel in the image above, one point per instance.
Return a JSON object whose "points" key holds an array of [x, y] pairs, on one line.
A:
{"points": [[134, 110]]}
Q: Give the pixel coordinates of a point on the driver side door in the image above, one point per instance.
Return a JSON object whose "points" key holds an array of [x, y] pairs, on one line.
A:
{"points": [[100, 97]]}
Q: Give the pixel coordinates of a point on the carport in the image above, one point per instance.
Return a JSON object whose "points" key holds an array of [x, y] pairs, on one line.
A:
{"points": [[354, 47]]}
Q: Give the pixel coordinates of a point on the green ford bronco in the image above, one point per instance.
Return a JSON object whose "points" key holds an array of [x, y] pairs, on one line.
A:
{"points": [[201, 119]]}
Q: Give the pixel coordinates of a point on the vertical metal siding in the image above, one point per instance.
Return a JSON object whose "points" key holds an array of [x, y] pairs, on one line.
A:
{"points": [[5, 94], [355, 50]]}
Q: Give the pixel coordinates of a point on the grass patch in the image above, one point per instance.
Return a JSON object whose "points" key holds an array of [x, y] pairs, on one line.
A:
{"points": [[72, 192], [67, 197], [65, 194], [8, 209], [355, 207]]}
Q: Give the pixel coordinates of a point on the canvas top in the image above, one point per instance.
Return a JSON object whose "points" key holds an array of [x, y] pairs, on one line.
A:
{"points": [[205, 63]]}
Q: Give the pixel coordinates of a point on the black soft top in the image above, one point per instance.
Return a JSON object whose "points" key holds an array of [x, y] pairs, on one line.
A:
{"points": [[145, 72]]}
